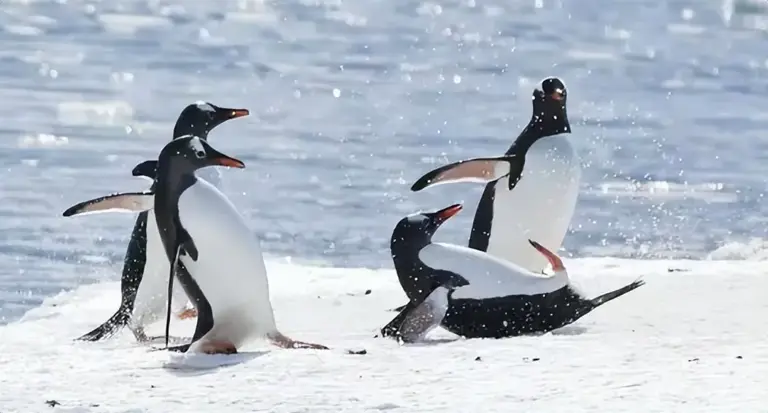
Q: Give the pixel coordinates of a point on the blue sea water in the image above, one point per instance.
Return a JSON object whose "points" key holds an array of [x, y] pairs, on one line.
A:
{"points": [[353, 100]]}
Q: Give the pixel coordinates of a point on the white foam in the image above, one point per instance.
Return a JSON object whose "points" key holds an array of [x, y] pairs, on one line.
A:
{"points": [[23, 30], [42, 140], [756, 249], [679, 337], [99, 113], [591, 55], [250, 17], [707, 191], [130, 24], [348, 18]]}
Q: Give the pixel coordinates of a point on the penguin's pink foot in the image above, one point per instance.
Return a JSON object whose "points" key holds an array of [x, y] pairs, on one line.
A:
{"points": [[187, 313], [218, 347]]}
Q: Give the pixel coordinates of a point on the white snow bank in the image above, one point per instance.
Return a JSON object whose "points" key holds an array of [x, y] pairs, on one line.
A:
{"points": [[693, 340]]}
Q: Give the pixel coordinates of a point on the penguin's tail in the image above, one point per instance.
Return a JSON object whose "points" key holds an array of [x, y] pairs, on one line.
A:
{"points": [[398, 309], [598, 301], [109, 327]]}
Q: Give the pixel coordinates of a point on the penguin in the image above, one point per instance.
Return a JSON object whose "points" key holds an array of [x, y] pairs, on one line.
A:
{"points": [[530, 192], [497, 299], [223, 271], [421, 316], [145, 266]]}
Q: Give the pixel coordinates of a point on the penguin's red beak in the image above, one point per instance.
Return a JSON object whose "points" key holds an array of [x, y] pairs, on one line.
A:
{"points": [[446, 213], [228, 161], [557, 94], [238, 113]]}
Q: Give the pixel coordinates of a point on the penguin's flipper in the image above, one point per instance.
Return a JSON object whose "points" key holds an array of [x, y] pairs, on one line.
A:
{"points": [[187, 245], [419, 317], [481, 170], [392, 329], [146, 169], [174, 265], [118, 202], [109, 327], [554, 260]]}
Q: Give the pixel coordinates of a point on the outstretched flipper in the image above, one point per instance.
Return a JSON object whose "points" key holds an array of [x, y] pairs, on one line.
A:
{"points": [[419, 317], [118, 202], [392, 329], [109, 327], [481, 170], [147, 169], [554, 260]]}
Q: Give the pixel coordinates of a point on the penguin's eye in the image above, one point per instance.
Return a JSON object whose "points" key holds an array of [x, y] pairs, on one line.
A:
{"points": [[200, 154]]}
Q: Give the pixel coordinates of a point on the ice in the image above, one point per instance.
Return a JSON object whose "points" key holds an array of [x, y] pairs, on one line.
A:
{"points": [[692, 339]]}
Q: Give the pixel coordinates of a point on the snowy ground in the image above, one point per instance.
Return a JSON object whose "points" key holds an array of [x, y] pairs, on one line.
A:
{"points": [[690, 340]]}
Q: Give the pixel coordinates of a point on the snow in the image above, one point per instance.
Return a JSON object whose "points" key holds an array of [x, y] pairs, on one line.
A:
{"points": [[692, 339]]}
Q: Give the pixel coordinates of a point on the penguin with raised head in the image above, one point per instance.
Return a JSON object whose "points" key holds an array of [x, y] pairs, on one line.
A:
{"points": [[145, 265], [484, 296], [203, 233], [530, 192]]}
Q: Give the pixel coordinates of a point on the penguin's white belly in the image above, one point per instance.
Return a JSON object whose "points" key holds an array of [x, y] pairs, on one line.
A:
{"points": [[541, 205], [488, 276], [229, 269], [151, 296]]}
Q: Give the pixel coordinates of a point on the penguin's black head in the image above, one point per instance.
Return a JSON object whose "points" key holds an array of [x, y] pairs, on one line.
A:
{"points": [[449, 280], [549, 106], [425, 223], [190, 153], [200, 118]]}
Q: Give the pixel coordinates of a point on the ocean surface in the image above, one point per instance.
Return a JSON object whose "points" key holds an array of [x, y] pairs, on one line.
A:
{"points": [[351, 101]]}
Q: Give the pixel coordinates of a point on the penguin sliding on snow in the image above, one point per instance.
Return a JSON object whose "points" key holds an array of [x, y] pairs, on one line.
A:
{"points": [[531, 191], [142, 285], [203, 233], [474, 294]]}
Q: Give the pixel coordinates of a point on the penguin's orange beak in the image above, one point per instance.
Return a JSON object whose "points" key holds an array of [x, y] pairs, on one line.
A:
{"points": [[557, 94], [238, 113], [446, 213], [228, 161]]}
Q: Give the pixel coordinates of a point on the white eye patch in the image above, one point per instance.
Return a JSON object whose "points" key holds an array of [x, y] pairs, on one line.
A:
{"points": [[197, 147], [204, 106], [416, 218]]}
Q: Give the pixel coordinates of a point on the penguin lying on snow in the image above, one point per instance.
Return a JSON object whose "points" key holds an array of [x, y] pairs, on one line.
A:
{"points": [[473, 294], [222, 269], [145, 265], [530, 192]]}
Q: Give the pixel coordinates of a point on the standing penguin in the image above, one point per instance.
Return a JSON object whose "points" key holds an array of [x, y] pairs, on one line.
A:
{"points": [[145, 265], [531, 191], [482, 296], [202, 232]]}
